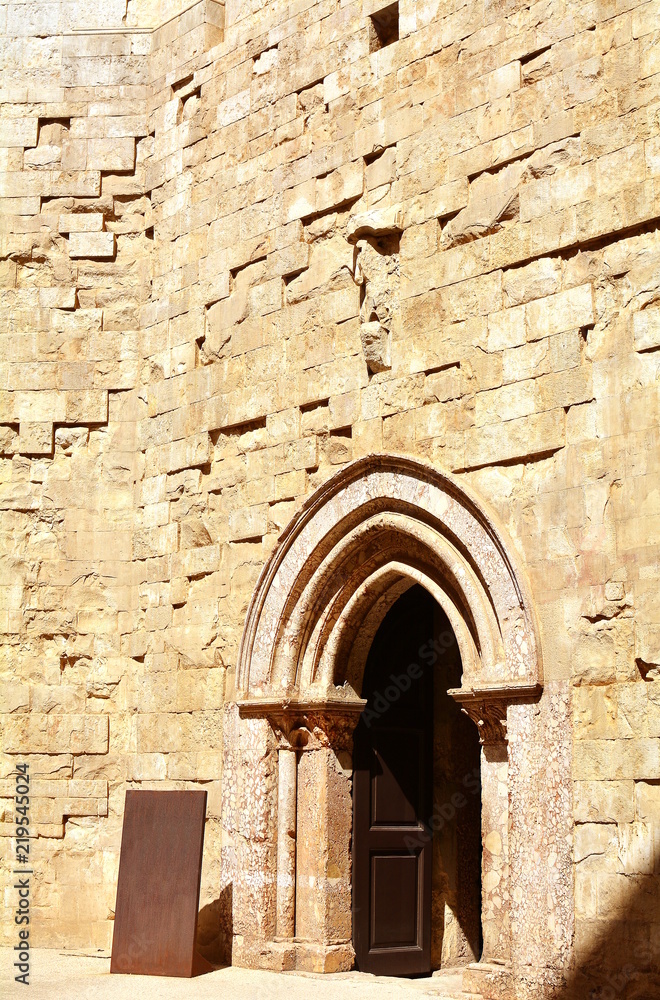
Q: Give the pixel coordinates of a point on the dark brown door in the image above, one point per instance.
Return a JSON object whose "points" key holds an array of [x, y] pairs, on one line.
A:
{"points": [[393, 795]]}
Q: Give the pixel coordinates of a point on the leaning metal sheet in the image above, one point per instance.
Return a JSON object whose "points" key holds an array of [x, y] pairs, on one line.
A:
{"points": [[158, 886]]}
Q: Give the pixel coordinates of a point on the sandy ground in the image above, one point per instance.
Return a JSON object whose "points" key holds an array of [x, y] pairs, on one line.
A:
{"points": [[56, 975]]}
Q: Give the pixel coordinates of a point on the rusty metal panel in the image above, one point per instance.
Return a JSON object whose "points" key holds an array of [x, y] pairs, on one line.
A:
{"points": [[158, 887]]}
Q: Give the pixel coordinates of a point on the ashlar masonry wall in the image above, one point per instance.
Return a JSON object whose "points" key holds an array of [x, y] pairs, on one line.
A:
{"points": [[242, 245]]}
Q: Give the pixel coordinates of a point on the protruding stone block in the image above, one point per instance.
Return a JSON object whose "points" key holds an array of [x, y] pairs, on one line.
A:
{"points": [[97, 245], [35, 438]]}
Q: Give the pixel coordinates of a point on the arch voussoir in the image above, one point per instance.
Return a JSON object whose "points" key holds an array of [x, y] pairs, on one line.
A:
{"points": [[322, 582]]}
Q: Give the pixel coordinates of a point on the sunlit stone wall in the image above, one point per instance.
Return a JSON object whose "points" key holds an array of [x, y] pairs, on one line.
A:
{"points": [[242, 245]]}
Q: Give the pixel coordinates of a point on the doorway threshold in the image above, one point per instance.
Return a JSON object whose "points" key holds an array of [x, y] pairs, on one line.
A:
{"points": [[444, 984]]}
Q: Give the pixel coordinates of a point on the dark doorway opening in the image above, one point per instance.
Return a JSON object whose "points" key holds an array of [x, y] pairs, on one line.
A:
{"points": [[416, 801]]}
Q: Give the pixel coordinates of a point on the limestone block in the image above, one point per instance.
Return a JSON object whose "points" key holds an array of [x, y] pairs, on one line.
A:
{"points": [[564, 389], [606, 802], [594, 659], [8, 441], [540, 279], [586, 893], [283, 426], [35, 438], [266, 297], [151, 542], [92, 244], [184, 454], [603, 760], [536, 434], [290, 260], [20, 206], [19, 184], [553, 354], [592, 839], [289, 485], [339, 186], [18, 132], [80, 222], [646, 329], [443, 386], [85, 406], [55, 733], [233, 109], [300, 201], [647, 649], [249, 523], [375, 346], [492, 200], [375, 222], [197, 561], [14, 696], [446, 199], [567, 310], [74, 154], [647, 802], [636, 848], [329, 261], [75, 183], [505, 403], [507, 328], [381, 170]]}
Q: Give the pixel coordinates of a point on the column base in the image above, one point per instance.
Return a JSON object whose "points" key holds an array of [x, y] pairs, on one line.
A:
{"points": [[489, 980], [290, 956]]}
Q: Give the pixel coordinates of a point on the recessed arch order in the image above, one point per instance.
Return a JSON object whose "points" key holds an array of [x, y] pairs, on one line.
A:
{"points": [[379, 525]]}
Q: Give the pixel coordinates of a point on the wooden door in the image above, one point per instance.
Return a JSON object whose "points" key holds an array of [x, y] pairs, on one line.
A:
{"points": [[393, 795]]}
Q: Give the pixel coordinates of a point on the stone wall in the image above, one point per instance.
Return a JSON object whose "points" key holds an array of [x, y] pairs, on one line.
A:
{"points": [[242, 245]]}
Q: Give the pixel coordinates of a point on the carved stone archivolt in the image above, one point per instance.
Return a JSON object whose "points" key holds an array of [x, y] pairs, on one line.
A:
{"points": [[374, 529]]}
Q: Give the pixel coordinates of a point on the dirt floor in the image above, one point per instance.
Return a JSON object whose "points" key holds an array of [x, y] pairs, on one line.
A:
{"points": [[56, 975]]}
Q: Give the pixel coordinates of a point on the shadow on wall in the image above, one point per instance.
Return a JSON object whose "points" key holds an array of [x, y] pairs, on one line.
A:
{"points": [[215, 929], [618, 955]]}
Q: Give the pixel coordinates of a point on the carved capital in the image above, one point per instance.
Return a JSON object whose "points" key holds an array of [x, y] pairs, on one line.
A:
{"points": [[487, 707], [308, 725], [489, 718]]}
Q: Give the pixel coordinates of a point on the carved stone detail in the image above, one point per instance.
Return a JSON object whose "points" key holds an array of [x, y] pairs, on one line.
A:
{"points": [[377, 272], [309, 726], [488, 708], [489, 718]]}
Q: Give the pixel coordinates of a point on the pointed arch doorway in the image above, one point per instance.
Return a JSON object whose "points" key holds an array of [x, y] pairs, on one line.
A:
{"points": [[416, 845], [381, 525]]}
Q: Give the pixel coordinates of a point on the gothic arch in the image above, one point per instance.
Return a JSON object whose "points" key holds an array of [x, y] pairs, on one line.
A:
{"points": [[376, 527]]}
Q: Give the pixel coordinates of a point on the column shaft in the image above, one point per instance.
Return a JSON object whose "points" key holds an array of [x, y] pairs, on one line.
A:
{"points": [[286, 842]]}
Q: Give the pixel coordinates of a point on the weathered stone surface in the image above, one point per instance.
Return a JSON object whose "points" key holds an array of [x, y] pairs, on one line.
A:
{"points": [[240, 250], [91, 244]]}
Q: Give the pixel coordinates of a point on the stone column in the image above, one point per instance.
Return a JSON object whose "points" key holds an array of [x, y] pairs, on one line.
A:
{"points": [[323, 856], [249, 818], [495, 900], [490, 718], [299, 915], [286, 842]]}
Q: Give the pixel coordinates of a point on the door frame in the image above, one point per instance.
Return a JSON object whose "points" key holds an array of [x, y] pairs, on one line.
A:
{"points": [[377, 526]]}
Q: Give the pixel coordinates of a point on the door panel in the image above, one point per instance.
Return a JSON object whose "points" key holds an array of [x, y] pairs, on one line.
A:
{"points": [[390, 802], [395, 900], [392, 796]]}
